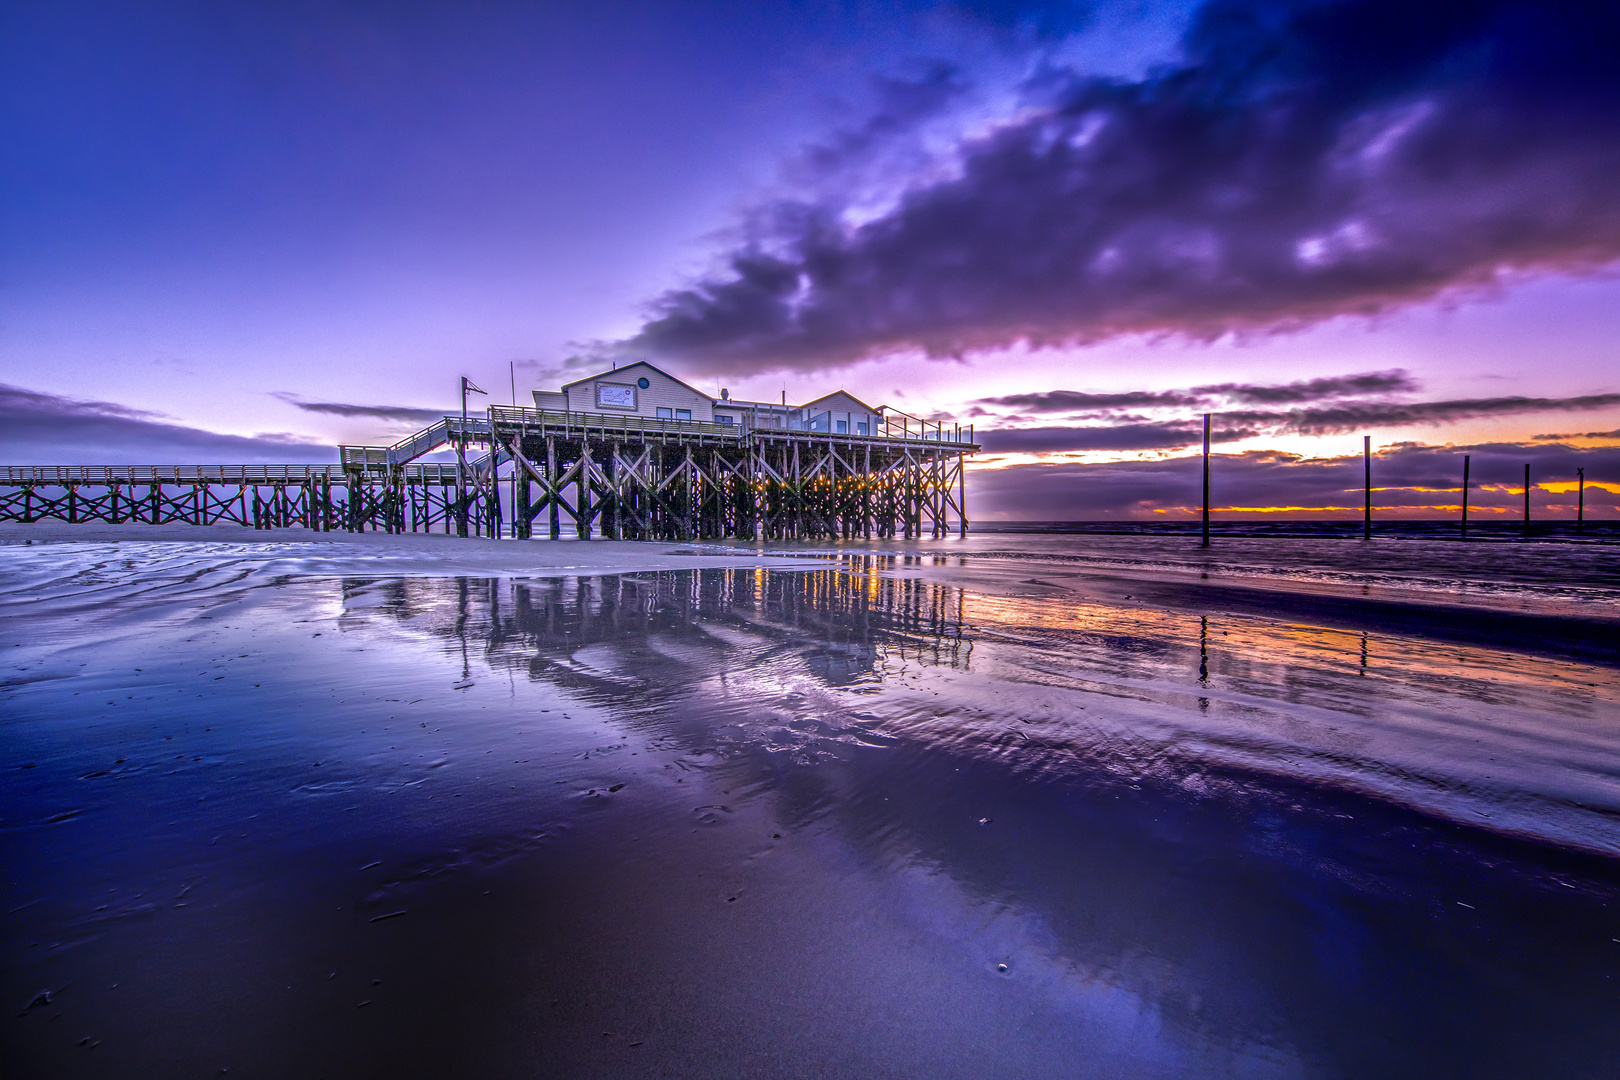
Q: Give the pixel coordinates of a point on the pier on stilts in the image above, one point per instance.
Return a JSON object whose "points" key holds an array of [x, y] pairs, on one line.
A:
{"points": [[538, 473]]}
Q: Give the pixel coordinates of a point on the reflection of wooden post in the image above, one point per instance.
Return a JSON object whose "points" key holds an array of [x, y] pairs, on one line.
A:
{"points": [[1366, 469], [1465, 498], [1206, 480], [1580, 501]]}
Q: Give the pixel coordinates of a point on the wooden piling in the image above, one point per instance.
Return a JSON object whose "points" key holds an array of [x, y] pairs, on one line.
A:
{"points": [[1527, 499], [1580, 501], [1205, 542], [1464, 534], [1366, 476]]}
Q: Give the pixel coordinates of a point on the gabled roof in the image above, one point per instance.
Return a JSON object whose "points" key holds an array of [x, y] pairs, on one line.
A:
{"points": [[847, 394], [630, 366]]}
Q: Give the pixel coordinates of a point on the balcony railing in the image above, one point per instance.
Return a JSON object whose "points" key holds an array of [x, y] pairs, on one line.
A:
{"points": [[609, 423]]}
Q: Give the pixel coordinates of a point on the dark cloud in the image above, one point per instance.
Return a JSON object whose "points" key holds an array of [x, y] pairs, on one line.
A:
{"points": [[1359, 416], [1410, 479], [45, 429], [1077, 401], [1333, 386], [402, 414], [1133, 433], [1046, 440], [1305, 159]]}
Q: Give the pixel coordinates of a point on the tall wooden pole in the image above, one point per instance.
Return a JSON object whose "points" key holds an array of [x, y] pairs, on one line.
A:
{"points": [[461, 465], [1206, 481], [1580, 501], [511, 367], [1527, 498], [1366, 472], [1465, 498]]}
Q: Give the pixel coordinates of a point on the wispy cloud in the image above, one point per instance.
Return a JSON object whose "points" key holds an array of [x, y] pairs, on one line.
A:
{"points": [[1304, 160], [1615, 434], [1359, 416], [1074, 401], [403, 414], [1329, 405], [1327, 387], [1120, 437], [1331, 386], [38, 428]]}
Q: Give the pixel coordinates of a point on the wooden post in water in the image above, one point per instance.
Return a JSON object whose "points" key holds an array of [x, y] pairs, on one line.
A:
{"points": [[1527, 498], [1580, 501], [1366, 473], [1206, 481], [1465, 499]]}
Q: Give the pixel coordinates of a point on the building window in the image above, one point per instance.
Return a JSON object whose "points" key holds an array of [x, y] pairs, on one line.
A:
{"points": [[615, 396], [843, 427], [860, 427], [665, 414], [724, 418], [643, 383], [683, 414]]}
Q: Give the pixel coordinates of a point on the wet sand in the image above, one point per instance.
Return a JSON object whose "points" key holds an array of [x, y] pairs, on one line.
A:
{"points": [[411, 553], [353, 808]]}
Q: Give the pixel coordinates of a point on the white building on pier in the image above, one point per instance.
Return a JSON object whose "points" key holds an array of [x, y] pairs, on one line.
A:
{"points": [[641, 389]]}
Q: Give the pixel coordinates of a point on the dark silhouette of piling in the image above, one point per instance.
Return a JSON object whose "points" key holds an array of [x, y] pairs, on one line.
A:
{"points": [[1206, 480], [1366, 476], [1580, 501], [1527, 499], [1465, 499]]}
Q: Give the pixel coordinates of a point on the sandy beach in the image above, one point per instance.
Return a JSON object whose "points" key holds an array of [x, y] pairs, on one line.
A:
{"points": [[322, 804]]}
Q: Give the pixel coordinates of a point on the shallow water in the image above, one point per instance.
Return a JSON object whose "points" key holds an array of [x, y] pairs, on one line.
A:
{"points": [[836, 822]]}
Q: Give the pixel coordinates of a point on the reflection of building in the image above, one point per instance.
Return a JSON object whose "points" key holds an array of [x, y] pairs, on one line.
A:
{"points": [[841, 623]]}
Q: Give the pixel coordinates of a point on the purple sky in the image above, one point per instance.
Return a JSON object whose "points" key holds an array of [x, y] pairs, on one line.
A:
{"points": [[246, 232]]}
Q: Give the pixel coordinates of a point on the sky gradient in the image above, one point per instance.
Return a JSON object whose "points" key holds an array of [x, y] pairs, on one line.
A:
{"points": [[247, 233]]}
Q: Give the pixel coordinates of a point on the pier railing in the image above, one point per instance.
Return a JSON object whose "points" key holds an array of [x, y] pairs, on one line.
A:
{"points": [[165, 474], [567, 424], [608, 424]]}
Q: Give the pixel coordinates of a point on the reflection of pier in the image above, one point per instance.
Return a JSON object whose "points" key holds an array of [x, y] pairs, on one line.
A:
{"points": [[844, 621]]}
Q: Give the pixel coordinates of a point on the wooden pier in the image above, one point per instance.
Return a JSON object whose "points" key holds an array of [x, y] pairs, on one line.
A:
{"points": [[532, 473]]}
